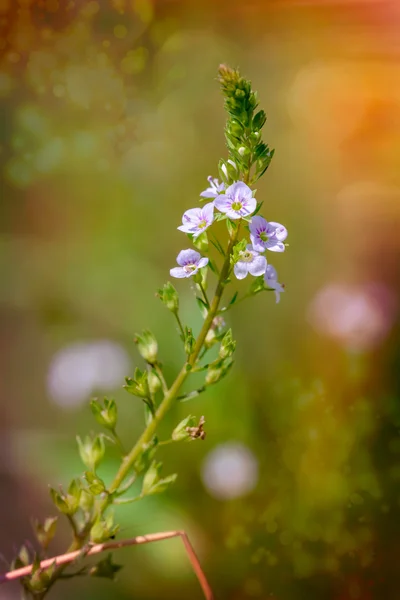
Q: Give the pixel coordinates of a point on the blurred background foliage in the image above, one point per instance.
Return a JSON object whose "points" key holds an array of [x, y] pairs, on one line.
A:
{"points": [[112, 119]]}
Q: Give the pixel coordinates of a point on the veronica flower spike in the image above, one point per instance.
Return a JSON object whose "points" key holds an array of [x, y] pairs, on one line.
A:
{"points": [[214, 189], [189, 262], [271, 281], [250, 262], [237, 201], [266, 235], [196, 220]]}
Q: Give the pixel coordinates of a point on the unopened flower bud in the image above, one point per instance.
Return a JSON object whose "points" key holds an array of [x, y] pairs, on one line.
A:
{"points": [[147, 346], [91, 450], [180, 432], [170, 297], [154, 382], [228, 345]]}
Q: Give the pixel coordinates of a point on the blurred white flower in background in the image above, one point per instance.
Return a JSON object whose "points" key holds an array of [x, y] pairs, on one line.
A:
{"points": [[230, 471], [79, 369], [359, 317]]}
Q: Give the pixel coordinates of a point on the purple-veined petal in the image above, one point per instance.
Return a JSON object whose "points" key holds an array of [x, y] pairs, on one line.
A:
{"points": [[192, 215], [257, 266], [178, 272], [187, 257], [202, 262], [222, 202], [232, 214], [257, 224], [257, 245], [208, 212], [249, 207], [239, 191], [241, 269], [209, 193], [188, 228]]}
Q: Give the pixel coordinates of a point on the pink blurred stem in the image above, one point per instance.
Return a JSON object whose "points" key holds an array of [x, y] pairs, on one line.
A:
{"points": [[63, 559]]}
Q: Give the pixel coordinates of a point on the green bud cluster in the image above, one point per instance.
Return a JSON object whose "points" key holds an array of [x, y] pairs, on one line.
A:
{"points": [[243, 128]]}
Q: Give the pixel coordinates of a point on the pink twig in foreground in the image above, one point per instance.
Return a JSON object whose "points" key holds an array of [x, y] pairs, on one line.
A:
{"points": [[63, 559]]}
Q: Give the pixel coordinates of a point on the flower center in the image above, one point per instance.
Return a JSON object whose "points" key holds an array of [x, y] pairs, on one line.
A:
{"points": [[237, 205], [263, 237], [246, 256], [189, 268], [202, 224]]}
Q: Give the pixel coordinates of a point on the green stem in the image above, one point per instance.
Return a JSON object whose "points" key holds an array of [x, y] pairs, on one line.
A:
{"points": [[161, 377], [180, 324], [118, 442], [170, 395], [173, 391], [203, 291]]}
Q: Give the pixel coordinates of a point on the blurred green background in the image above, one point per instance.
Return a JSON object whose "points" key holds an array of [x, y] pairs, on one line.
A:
{"points": [[111, 121]]}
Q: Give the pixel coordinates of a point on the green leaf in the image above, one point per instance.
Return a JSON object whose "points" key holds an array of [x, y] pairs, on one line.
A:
{"points": [[203, 306], [194, 393], [105, 568], [259, 120], [59, 501], [234, 298], [151, 477], [163, 484], [189, 341], [201, 242], [126, 485], [45, 531], [146, 456]]}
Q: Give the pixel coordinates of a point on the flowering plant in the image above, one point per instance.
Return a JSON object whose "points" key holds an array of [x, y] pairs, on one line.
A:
{"points": [[87, 502]]}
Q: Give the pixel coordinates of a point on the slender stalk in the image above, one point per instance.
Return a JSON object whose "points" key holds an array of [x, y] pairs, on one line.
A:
{"points": [[203, 291], [65, 559], [179, 324], [161, 377], [173, 391], [118, 442], [169, 396]]}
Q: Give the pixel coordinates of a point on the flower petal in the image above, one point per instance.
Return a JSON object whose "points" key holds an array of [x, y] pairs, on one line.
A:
{"points": [[188, 228], [270, 274], [258, 224], [241, 269], [275, 246], [239, 191], [187, 257], [208, 212], [202, 262], [280, 232], [249, 207], [233, 214], [209, 193], [178, 272], [257, 245], [223, 203], [257, 266], [193, 215]]}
